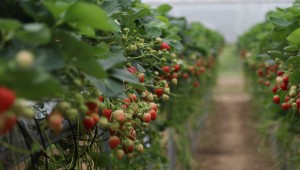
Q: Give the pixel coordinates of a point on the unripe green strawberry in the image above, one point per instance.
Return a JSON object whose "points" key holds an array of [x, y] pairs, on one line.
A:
{"points": [[28, 112], [165, 97], [72, 114], [167, 90], [139, 148], [103, 122], [132, 48], [159, 40], [174, 81], [62, 106], [150, 97], [120, 154]]}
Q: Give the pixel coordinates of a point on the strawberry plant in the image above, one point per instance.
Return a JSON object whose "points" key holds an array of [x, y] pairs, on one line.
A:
{"points": [[85, 82]]}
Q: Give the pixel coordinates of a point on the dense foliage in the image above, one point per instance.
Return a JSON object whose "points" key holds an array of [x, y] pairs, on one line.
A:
{"points": [[97, 73], [271, 54]]}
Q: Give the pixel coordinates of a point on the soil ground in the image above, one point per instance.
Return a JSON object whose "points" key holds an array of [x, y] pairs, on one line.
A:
{"points": [[229, 139]]}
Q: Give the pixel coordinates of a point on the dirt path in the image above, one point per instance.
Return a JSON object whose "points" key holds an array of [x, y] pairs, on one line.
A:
{"points": [[229, 140]]}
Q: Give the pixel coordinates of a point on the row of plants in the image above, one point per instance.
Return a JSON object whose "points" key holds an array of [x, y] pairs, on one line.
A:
{"points": [[270, 51], [93, 84]]}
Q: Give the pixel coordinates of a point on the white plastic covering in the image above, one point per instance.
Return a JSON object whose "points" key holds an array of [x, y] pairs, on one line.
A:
{"points": [[230, 17]]}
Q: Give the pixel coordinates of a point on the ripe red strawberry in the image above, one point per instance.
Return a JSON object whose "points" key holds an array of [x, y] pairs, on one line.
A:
{"points": [[164, 45], [280, 73], [7, 122], [275, 89], [132, 97], [175, 75], [298, 103], [196, 84], [185, 75], [260, 72], [7, 99], [141, 77], [147, 117], [285, 106], [92, 107], [286, 80], [55, 122], [132, 70], [176, 68], [276, 99], [126, 100], [88, 123], [287, 98], [107, 113], [153, 114], [113, 141], [128, 147], [101, 98], [283, 87], [159, 92], [166, 69]]}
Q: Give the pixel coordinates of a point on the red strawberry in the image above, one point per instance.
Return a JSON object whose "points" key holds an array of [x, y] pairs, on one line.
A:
{"points": [[101, 98], [276, 99], [7, 98], [128, 147], [260, 72], [196, 84], [275, 89], [95, 117], [113, 141], [141, 77], [159, 92], [267, 83], [298, 103], [175, 75], [283, 87], [176, 68], [166, 69], [287, 98], [107, 113], [7, 122], [164, 45], [93, 107], [153, 114], [285, 106], [286, 80], [185, 75], [280, 73], [132, 70], [147, 117], [88, 123], [132, 97]]}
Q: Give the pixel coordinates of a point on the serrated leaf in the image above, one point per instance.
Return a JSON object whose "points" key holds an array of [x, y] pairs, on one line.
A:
{"points": [[123, 75], [9, 25], [87, 14], [109, 87], [280, 21], [114, 59]]}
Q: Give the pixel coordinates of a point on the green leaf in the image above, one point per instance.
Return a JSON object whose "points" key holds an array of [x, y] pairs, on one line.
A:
{"points": [[109, 87], [123, 75], [86, 14], [57, 8], [294, 37], [154, 28], [163, 19], [80, 55], [101, 50], [293, 61], [163, 9], [280, 21], [291, 49], [275, 54], [111, 7], [115, 58], [49, 59], [9, 25], [34, 33], [294, 77]]}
